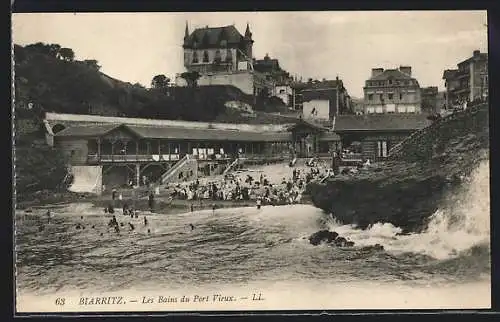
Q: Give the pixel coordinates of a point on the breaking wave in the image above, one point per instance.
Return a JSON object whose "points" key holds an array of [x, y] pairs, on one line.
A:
{"points": [[461, 224]]}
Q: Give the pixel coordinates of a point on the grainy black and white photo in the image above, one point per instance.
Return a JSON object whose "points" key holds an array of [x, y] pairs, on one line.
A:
{"points": [[225, 161]]}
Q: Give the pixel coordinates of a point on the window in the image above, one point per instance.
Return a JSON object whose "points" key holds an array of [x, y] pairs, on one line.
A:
{"points": [[217, 57], [370, 97], [390, 81], [382, 149], [229, 55], [381, 97], [400, 96], [390, 96], [205, 56], [195, 57], [282, 91]]}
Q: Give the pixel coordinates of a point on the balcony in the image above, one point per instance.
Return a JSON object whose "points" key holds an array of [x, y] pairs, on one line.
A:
{"points": [[120, 158]]}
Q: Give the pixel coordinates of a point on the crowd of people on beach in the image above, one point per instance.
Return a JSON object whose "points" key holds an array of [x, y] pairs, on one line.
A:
{"points": [[261, 188]]}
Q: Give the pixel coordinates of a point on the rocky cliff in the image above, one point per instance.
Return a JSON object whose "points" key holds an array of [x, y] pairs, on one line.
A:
{"points": [[408, 190]]}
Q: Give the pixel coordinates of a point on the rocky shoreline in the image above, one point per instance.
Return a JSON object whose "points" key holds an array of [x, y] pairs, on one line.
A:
{"points": [[407, 192]]}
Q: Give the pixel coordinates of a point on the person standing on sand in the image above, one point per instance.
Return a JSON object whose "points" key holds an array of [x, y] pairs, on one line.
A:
{"points": [[258, 203], [48, 216], [113, 194], [151, 201]]}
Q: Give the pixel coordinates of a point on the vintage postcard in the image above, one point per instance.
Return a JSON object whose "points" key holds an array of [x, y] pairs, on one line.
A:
{"points": [[251, 161]]}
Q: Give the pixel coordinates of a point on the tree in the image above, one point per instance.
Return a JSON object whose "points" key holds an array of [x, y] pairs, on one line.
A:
{"points": [[19, 54], [92, 63], [67, 54], [53, 50], [191, 78], [160, 81]]}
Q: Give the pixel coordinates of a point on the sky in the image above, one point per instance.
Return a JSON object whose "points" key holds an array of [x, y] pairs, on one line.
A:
{"points": [[134, 47]]}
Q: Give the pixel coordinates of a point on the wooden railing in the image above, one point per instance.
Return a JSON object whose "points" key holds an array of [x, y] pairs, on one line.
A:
{"points": [[94, 158]]}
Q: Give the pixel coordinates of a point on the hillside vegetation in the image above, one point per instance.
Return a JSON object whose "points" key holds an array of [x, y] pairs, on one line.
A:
{"points": [[49, 77], [407, 191]]}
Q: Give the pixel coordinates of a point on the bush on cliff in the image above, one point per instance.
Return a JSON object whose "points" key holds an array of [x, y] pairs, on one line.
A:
{"points": [[406, 192], [38, 168]]}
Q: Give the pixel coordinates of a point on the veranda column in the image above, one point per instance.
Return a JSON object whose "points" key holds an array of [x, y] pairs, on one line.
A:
{"points": [[138, 174], [99, 149]]}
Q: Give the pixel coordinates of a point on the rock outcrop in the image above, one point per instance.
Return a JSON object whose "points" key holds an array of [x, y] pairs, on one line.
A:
{"points": [[407, 191]]}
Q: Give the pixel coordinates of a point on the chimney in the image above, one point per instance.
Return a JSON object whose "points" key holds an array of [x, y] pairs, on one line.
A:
{"points": [[377, 71], [476, 53], [405, 69]]}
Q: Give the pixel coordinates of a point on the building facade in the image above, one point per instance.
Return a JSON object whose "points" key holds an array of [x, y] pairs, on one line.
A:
{"points": [[284, 92], [222, 56], [430, 100], [467, 83], [323, 100], [392, 91], [372, 136]]}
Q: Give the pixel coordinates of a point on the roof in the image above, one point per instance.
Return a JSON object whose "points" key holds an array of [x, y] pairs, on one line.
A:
{"points": [[267, 64], [391, 73], [480, 56], [302, 122], [319, 94], [449, 73], [87, 130], [78, 119], [329, 136], [381, 122], [326, 84], [211, 37], [178, 133]]}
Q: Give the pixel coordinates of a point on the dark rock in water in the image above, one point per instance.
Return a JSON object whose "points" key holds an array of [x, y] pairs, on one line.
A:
{"points": [[350, 244], [322, 236], [373, 247], [78, 226], [28, 210], [340, 242]]}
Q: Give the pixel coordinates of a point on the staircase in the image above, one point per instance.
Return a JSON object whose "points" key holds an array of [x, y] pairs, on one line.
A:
{"points": [[231, 166], [183, 164]]}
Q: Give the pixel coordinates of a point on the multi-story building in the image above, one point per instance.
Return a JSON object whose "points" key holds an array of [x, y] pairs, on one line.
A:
{"points": [[272, 70], [222, 56], [469, 82], [323, 100], [451, 84], [392, 91], [429, 99]]}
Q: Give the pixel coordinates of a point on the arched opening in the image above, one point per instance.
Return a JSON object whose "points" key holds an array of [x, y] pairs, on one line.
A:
{"points": [[58, 128]]}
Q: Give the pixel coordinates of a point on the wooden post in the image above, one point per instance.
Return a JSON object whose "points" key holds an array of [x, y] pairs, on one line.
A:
{"points": [[99, 150], [138, 174]]}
